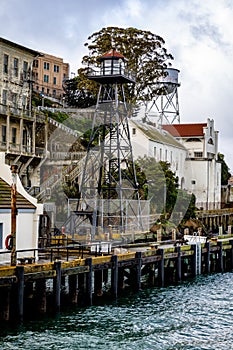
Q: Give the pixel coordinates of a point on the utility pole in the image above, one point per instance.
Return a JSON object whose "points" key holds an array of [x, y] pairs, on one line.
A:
{"points": [[14, 170]]}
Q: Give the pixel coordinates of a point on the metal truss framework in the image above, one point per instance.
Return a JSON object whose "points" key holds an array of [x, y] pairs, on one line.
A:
{"points": [[109, 193], [165, 104]]}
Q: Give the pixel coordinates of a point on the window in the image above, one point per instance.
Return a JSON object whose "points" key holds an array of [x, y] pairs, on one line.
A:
{"points": [[13, 136], [134, 131], [193, 139], [35, 63], [56, 68], [1, 235], [54, 93], [155, 152], [25, 70], [46, 78], [14, 100], [166, 155], [4, 97], [4, 134], [54, 80], [47, 91], [160, 154], [16, 67], [25, 137], [198, 154], [5, 64], [46, 65], [24, 99]]}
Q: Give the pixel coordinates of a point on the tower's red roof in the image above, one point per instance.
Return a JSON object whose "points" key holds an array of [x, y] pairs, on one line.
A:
{"points": [[185, 130], [112, 53]]}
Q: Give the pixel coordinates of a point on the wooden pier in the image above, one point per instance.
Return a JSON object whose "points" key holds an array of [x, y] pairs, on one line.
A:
{"points": [[30, 289]]}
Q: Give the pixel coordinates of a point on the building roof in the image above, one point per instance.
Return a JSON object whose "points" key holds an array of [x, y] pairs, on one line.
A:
{"points": [[112, 53], [20, 47], [5, 198], [156, 135], [185, 130]]}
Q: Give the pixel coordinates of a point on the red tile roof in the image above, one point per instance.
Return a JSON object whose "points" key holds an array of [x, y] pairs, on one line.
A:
{"points": [[112, 53], [185, 130]]}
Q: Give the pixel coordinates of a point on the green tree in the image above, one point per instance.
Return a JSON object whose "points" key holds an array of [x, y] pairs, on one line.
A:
{"points": [[225, 174], [76, 95], [147, 58], [160, 185]]}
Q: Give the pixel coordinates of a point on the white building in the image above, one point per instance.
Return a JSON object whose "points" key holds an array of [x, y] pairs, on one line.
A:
{"points": [[27, 219], [151, 142], [202, 171]]}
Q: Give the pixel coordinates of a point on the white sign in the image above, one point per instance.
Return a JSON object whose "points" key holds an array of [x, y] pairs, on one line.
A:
{"points": [[195, 239]]}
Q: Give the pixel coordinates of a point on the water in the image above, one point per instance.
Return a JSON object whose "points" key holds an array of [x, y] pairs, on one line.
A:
{"points": [[193, 315]]}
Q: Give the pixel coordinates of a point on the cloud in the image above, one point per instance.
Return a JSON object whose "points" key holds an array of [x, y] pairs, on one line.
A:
{"points": [[198, 33]]}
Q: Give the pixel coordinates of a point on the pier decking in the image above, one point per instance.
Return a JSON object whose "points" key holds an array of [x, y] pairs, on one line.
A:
{"points": [[39, 287]]}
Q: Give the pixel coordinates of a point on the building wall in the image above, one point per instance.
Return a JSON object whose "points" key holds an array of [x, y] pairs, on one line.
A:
{"points": [[197, 167], [204, 180], [15, 76], [140, 143], [142, 146], [26, 232], [48, 75], [27, 220]]}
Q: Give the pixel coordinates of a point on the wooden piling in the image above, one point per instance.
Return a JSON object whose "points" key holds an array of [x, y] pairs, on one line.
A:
{"points": [[220, 257], [20, 285], [98, 281], [41, 297], [57, 286], [5, 303], [138, 257], [89, 282], [161, 268], [194, 260], [231, 254], [178, 265], [81, 289], [73, 292], [207, 257], [114, 276], [121, 277]]}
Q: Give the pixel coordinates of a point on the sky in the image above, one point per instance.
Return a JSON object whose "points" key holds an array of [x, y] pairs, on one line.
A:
{"points": [[199, 34]]}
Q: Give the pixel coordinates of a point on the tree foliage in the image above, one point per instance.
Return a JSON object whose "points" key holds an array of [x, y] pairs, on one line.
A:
{"points": [[146, 54], [77, 93], [225, 174], [160, 185]]}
